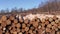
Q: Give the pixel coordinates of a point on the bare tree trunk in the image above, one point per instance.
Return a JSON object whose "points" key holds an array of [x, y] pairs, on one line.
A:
{"points": [[48, 9]]}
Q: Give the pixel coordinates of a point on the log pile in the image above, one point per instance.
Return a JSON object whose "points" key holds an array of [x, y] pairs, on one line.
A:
{"points": [[16, 25]]}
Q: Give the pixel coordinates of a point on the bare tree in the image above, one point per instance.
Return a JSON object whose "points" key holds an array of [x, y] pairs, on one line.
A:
{"points": [[20, 9], [2, 11], [14, 10], [7, 10]]}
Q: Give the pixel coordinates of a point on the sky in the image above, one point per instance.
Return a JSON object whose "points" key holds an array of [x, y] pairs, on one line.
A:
{"points": [[26, 4]]}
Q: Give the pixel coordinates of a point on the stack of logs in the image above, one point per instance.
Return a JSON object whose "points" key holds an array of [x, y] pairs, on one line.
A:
{"points": [[14, 25]]}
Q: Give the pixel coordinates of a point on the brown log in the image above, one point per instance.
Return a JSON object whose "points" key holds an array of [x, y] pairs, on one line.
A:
{"points": [[52, 23], [15, 21], [50, 19], [48, 30], [43, 20], [47, 18], [8, 22], [53, 32], [26, 21], [7, 32], [4, 18], [49, 26], [26, 29], [59, 27], [56, 21], [3, 24], [18, 25], [11, 18], [23, 25], [21, 20], [14, 32], [46, 22], [54, 17], [58, 32], [35, 24], [30, 31], [20, 33], [18, 30], [1, 31]]}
